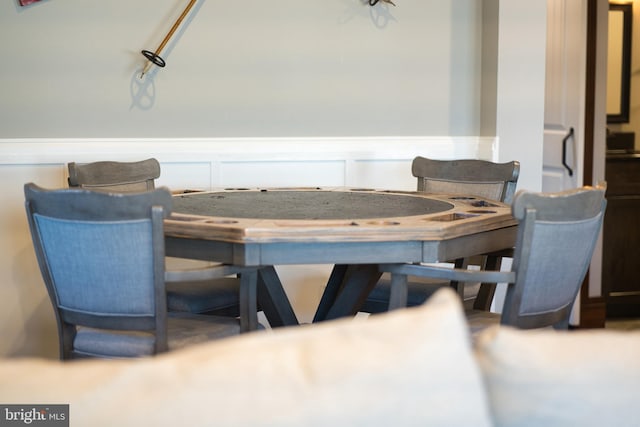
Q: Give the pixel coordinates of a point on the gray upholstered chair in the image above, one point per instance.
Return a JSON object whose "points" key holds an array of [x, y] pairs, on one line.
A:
{"points": [[101, 256], [120, 177], [217, 296], [481, 178], [557, 233]]}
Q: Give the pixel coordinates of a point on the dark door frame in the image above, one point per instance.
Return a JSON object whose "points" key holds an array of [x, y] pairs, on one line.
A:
{"points": [[592, 309]]}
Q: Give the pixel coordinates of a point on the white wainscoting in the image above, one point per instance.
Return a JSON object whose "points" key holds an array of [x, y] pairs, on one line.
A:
{"points": [[26, 319], [256, 161]]}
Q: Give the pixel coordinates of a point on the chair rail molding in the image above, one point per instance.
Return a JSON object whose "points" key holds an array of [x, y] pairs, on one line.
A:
{"points": [[38, 150], [333, 160]]}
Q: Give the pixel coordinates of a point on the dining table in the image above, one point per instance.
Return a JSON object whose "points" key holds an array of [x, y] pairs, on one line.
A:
{"points": [[353, 229]]}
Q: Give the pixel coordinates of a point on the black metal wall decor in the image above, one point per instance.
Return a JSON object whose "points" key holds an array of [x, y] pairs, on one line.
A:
{"points": [[374, 2], [154, 57]]}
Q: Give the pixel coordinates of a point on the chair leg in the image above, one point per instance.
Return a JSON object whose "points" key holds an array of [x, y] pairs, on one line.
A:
{"points": [[67, 335]]}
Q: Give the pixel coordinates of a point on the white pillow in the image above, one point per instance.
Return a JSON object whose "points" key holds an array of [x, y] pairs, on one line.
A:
{"points": [[553, 378], [411, 367]]}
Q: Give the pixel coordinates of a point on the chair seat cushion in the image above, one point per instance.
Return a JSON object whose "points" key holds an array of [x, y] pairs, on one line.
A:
{"points": [[203, 296], [183, 329], [187, 329], [102, 343]]}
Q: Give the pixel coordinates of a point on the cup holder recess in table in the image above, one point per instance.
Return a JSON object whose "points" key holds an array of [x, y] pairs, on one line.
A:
{"points": [[221, 221], [483, 204], [383, 222], [186, 191], [456, 216], [481, 211], [475, 202], [264, 190], [203, 220]]}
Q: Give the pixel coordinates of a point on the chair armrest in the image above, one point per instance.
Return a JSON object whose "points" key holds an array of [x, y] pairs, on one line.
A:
{"points": [[204, 273], [457, 274]]}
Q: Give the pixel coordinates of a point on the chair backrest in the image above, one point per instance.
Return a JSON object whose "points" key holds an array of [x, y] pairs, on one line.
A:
{"points": [[101, 256], [557, 234], [481, 178], [111, 176]]}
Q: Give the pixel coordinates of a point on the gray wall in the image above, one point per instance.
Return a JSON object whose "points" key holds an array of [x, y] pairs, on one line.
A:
{"points": [[240, 68], [350, 88]]}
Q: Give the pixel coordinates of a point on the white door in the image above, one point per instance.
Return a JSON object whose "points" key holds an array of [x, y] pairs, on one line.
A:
{"points": [[564, 110], [564, 94]]}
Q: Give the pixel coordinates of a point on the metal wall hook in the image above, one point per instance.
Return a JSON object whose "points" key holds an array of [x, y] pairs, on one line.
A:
{"points": [[374, 2]]}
